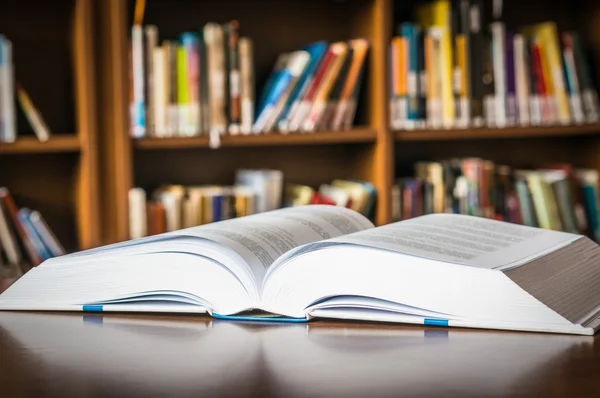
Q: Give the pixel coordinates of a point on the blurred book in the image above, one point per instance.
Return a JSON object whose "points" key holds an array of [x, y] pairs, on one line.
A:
{"points": [[203, 83], [451, 67], [556, 196], [173, 207], [25, 238]]}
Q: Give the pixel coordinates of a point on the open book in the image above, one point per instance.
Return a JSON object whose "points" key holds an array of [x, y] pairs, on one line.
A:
{"points": [[324, 261]]}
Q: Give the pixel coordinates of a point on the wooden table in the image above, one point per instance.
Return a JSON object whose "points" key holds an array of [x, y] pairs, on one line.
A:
{"points": [[123, 356]]}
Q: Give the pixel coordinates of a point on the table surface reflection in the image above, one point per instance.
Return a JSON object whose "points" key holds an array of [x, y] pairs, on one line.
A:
{"points": [[51, 354]]}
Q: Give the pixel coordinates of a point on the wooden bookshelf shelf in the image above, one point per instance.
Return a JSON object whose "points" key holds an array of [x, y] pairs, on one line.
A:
{"points": [[496, 133], [31, 145], [357, 135]]}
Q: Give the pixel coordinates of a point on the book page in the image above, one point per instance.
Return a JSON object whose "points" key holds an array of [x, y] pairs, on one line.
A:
{"points": [[466, 240], [260, 239]]}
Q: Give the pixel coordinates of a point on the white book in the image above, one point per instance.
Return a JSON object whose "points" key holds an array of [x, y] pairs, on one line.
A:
{"points": [[138, 224], [522, 79], [7, 91], [161, 100], [499, 65], [246, 49], [323, 261]]}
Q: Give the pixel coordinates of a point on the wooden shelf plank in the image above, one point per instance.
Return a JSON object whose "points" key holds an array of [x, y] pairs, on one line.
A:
{"points": [[496, 133], [272, 139], [31, 145]]}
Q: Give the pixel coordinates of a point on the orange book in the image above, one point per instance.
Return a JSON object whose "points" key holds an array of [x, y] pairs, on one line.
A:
{"points": [[156, 219], [347, 103]]}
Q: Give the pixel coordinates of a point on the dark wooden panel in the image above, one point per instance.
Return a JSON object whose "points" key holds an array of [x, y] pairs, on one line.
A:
{"points": [[40, 32], [302, 165], [45, 182]]}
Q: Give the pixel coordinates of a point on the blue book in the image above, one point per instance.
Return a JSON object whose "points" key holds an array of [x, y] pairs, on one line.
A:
{"points": [[271, 80], [410, 32], [285, 81], [316, 52], [32, 234]]}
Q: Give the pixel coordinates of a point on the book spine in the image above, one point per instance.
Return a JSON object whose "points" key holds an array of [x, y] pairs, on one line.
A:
{"points": [[8, 240], [512, 111], [182, 91], [12, 210], [234, 77], [3, 138], [499, 62], [572, 80], [193, 121], [204, 85], [523, 90], [9, 122], [50, 240], [139, 103], [305, 106], [412, 80], [394, 70], [217, 73], [489, 85], [173, 111], [33, 115], [32, 235], [151, 34], [546, 103], [246, 52], [477, 50], [160, 92], [589, 94]]}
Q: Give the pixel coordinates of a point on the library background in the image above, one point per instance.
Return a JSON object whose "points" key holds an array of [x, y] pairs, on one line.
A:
{"points": [[122, 119]]}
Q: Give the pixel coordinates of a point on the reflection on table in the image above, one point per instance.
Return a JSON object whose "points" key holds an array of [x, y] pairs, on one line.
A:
{"points": [[51, 354]]}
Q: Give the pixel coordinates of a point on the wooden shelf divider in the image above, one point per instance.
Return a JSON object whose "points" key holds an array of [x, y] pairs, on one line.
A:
{"points": [[30, 145], [498, 133], [358, 135]]}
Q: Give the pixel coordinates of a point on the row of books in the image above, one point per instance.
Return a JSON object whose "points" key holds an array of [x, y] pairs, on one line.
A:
{"points": [[173, 207], [453, 69], [556, 196], [204, 83], [25, 237], [8, 88]]}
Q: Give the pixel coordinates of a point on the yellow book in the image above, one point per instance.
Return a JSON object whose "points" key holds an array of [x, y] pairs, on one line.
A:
{"points": [[396, 85], [547, 35], [182, 87], [437, 15]]}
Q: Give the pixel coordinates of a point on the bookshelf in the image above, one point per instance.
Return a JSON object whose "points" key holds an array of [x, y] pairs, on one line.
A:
{"points": [[373, 151], [362, 153], [357, 135], [31, 145], [55, 63], [578, 144]]}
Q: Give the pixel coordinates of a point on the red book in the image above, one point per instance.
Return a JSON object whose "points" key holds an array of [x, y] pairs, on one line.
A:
{"points": [[9, 205]]}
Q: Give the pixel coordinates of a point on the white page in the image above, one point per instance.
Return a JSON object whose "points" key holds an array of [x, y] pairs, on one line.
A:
{"points": [[467, 240], [260, 239]]}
